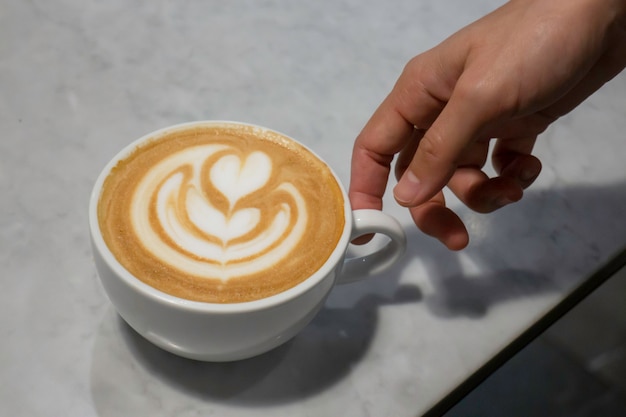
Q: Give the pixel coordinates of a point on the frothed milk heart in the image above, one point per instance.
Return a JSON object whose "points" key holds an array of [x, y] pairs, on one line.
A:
{"points": [[225, 213]]}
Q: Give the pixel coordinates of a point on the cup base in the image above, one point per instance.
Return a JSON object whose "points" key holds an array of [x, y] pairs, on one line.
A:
{"points": [[230, 355]]}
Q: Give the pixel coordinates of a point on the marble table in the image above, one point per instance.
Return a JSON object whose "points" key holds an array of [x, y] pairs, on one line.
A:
{"points": [[80, 79]]}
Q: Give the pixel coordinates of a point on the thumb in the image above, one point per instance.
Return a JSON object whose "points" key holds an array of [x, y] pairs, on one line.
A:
{"points": [[428, 172], [438, 152]]}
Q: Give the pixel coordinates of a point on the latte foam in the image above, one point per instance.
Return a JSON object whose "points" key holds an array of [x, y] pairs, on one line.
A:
{"points": [[225, 213]]}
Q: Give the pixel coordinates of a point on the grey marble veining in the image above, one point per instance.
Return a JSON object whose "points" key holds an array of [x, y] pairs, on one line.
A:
{"points": [[80, 79]]}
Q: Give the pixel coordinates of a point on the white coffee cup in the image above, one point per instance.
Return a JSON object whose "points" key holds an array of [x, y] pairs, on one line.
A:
{"points": [[226, 332]]}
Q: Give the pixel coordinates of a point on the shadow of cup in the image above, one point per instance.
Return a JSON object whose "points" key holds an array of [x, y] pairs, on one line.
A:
{"points": [[318, 357]]}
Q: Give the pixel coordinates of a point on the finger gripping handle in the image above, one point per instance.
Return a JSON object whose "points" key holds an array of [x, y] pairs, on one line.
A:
{"points": [[367, 222]]}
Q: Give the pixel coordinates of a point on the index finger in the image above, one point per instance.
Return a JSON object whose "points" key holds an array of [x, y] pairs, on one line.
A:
{"points": [[413, 102], [373, 152]]}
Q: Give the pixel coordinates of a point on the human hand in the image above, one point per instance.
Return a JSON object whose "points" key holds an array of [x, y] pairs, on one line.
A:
{"points": [[507, 76]]}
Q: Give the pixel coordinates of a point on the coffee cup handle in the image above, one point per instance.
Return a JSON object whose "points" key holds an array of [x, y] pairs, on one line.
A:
{"points": [[373, 221]]}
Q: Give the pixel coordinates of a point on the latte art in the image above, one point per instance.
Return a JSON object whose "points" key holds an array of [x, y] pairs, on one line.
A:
{"points": [[222, 213], [209, 221]]}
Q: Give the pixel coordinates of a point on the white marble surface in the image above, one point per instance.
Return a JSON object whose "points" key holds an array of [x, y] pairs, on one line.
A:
{"points": [[80, 79]]}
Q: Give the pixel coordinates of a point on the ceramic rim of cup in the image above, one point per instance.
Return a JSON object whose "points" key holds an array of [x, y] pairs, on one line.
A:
{"points": [[331, 263]]}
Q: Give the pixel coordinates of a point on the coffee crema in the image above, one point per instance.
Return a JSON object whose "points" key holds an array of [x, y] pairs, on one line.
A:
{"points": [[221, 213]]}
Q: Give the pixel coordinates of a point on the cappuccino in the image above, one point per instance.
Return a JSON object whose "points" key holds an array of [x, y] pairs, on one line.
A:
{"points": [[221, 213]]}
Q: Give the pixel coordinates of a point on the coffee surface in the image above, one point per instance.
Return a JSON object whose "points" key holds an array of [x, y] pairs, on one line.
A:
{"points": [[223, 213]]}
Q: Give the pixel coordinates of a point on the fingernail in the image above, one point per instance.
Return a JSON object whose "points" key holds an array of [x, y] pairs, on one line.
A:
{"points": [[407, 188], [502, 201], [527, 174]]}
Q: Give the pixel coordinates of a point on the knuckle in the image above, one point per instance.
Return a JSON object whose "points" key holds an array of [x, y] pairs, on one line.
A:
{"points": [[435, 152], [414, 65], [475, 92], [430, 148], [489, 98]]}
